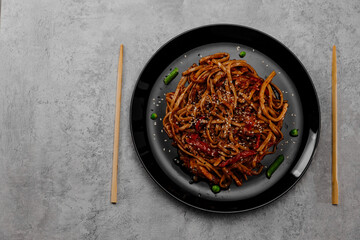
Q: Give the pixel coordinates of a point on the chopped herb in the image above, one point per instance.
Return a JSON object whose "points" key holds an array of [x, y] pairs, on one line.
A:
{"points": [[294, 132], [274, 166], [171, 76], [153, 116], [215, 188]]}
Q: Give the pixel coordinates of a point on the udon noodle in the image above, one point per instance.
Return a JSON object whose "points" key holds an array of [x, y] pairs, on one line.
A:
{"points": [[224, 119]]}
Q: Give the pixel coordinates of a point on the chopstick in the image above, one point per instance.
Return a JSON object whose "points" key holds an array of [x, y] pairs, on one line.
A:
{"points": [[117, 129], [0, 13], [335, 187]]}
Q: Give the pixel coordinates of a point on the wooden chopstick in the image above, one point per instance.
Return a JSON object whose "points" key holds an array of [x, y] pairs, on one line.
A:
{"points": [[335, 187], [0, 13], [117, 129]]}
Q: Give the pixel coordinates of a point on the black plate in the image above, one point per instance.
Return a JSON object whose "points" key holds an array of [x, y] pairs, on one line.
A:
{"points": [[265, 54]]}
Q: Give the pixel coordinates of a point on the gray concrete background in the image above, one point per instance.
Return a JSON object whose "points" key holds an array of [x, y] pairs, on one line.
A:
{"points": [[58, 66]]}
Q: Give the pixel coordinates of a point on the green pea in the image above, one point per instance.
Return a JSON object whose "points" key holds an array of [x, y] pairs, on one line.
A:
{"points": [[153, 116], [215, 188], [294, 132], [242, 54]]}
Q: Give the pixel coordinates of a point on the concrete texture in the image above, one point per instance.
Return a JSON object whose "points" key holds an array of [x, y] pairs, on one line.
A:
{"points": [[58, 66]]}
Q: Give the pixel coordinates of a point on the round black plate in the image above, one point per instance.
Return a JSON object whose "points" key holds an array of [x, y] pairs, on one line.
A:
{"points": [[265, 54]]}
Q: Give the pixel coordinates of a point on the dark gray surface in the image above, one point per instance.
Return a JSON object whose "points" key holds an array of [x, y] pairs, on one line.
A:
{"points": [[58, 66]]}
